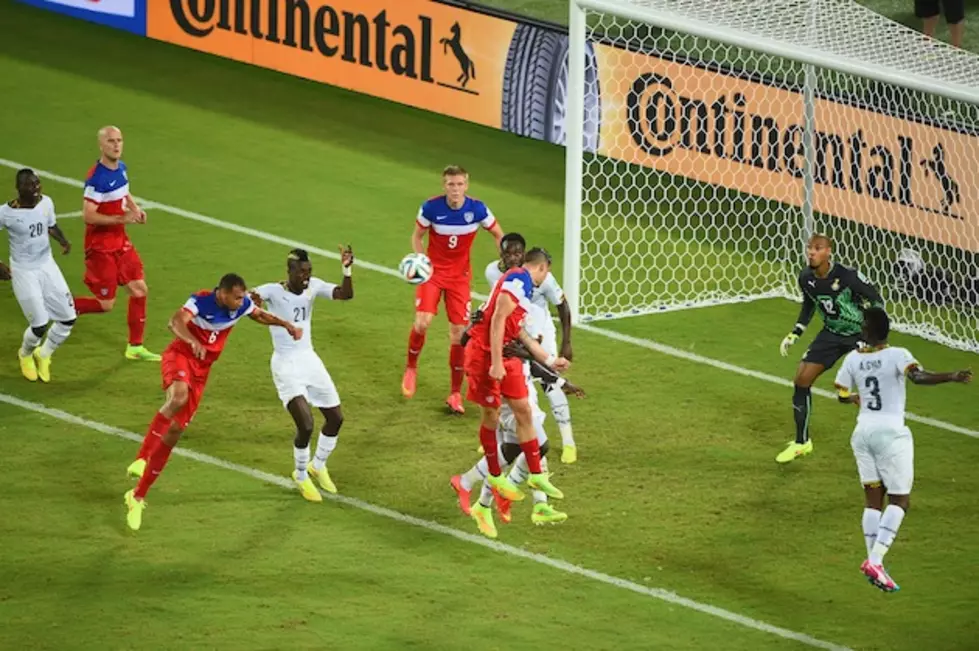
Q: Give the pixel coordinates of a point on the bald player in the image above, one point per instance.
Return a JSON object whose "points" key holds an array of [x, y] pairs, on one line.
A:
{"points": [[111, 261]]}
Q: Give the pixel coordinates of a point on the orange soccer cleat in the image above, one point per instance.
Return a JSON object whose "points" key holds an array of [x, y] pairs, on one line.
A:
{"points": [[408, 382], [454, 402], [464, 498]]}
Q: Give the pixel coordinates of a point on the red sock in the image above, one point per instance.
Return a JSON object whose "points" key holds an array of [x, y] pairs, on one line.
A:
{"points": [[157, 429], [487, 437], [531, 450], [87, 305], [416, 341], [153, 469], [457, 362], [137, 319]]}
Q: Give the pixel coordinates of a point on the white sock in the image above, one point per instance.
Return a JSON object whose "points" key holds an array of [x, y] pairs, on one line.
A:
{"points": [[485, 494], [890, 522], [57, 335], [475, 474], [562, 413], [29, 343], [519, 471], [871, 522], [324, 446], [301, 455]]}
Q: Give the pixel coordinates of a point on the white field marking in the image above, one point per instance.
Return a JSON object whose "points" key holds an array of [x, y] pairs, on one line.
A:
{"points": [[611, 334], [564, 566], [69, 215]]}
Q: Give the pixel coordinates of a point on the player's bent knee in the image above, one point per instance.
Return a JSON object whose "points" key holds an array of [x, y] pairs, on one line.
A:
{"points": [[39, 330], [107, 304], [137, 288]]}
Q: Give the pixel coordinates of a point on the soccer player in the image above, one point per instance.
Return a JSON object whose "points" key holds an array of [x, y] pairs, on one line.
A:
{"points": [[297, 371], [39, 286], [881, 442], [493, 378], [451, 221], [840, 294], [509, 451], [201, 328], [110, 259], [512, 249]]}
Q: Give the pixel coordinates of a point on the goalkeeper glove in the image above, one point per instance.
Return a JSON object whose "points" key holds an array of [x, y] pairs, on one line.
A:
{"points": [[790, 339]]}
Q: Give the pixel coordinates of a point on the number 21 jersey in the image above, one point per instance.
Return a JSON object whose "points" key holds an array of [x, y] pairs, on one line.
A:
{"points": [[297, 309]]}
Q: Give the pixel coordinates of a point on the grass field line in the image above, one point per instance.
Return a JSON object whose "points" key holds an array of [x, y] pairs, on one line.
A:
{"points": [[610, 334], [564, 566], [69, 215]]}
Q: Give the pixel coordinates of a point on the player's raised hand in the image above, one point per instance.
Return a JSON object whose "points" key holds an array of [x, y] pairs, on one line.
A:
{"points": [[294, 332], [346, 255], [964, 376], [561, 364], [790, 339]]}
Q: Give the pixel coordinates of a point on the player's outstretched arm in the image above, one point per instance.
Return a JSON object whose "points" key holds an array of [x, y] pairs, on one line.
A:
{"points": [[345, 291], [59, 237], [919, 375], [541, 355], [267, 318], [178, 326]]}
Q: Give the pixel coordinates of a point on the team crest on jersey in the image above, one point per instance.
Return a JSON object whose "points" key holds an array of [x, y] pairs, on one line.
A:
{"points": [[469, 217], [104, 291], [836, 284]]}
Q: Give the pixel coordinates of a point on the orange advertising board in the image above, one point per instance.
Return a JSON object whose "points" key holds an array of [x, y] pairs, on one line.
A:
{"points": [[883, 171], [424, 54]]}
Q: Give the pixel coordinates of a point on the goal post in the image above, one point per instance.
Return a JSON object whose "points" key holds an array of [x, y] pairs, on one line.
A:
{"points": [[706, 140]]}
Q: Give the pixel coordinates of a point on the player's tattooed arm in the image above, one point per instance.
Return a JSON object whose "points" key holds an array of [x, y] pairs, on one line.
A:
{"points": [[345, 291], [564, 313], [267, 318], [4, 272], [59, 237], [919, 375]]}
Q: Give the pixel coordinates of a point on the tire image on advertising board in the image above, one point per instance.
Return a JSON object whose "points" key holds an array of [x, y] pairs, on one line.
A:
{"points": [[535, 87]]}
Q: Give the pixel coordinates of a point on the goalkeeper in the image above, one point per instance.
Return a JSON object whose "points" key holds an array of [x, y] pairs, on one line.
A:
{"points": [[840, 294]]}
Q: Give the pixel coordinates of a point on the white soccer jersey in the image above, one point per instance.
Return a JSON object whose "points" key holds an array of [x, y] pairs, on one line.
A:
{"points": [[880, 376], [30, 246], [295, 308]]}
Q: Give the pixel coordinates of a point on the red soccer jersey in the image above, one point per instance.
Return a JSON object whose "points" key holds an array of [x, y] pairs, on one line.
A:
{"points": [[518, 284], [451, 234], [211, 324], [107, 189]]}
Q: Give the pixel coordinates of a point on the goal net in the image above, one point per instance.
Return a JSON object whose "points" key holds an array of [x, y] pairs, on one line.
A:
{"points": [[707, 139]]}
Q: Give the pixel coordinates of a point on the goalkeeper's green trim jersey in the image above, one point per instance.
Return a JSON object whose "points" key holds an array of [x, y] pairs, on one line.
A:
{"points": [[841, 297]]}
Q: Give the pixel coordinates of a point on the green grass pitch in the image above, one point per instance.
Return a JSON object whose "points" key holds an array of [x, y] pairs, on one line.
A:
{"points": [[676, 487]]}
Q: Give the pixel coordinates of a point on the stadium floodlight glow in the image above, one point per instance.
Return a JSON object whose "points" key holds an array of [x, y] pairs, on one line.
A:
{"points": [[708, 139]]}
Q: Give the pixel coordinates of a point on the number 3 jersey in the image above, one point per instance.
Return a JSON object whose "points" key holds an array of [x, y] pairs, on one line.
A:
{"points": [[840, 298], [28, 228], [880, 376], [294, 308]]}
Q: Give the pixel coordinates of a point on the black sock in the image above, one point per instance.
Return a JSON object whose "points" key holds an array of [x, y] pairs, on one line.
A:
{"points": [[801, 406]]}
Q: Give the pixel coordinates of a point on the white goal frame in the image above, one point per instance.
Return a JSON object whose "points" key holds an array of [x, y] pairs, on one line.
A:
{"points": [[804, 53]]}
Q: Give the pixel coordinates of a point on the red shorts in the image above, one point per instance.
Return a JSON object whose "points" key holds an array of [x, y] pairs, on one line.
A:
{"points": [[484, 390], [457, 299], [176, 366], [107, 270]]}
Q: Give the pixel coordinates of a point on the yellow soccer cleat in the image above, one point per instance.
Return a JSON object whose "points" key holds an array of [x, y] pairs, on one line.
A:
{"points": [[793, 451], [27, 367], [134, 518], [322, 478], [306, 488], [136, 468], [505, 488], [544, 513], [569, 454], [483, 515], [541, 481], [140, 353], [43, 366]]}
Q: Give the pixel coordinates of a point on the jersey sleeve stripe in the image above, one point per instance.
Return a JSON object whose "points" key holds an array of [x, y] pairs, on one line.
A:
{"points": [[489, 221], [446, 229], [95, 196]]}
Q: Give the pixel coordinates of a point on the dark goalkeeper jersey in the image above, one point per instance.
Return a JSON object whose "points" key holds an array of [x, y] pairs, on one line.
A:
{"points": [[840, 298]]}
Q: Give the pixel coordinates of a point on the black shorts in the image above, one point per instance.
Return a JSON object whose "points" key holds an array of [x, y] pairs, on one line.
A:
{"points": [[954, 9], [827, 348]]}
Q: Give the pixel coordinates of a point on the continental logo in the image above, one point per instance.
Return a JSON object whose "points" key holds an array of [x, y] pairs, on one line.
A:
{"points": [[730, 126], [362, 38]]}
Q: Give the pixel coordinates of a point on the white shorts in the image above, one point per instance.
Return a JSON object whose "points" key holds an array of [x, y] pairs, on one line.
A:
{"points": [[506, 432], [303, 374], [43, 294], [884, 454]]}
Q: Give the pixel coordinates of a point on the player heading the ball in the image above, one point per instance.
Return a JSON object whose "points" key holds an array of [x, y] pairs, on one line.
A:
{"points": [[451, 221], [201, 328]]}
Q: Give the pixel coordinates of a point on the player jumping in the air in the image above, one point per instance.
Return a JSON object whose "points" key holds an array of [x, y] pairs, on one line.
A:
{"points": [[512, 249], [110, 259], [39, 286], [201, 328], [298, 372], [494, 378], [451, 221], [840, 294], [881, 442]]}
